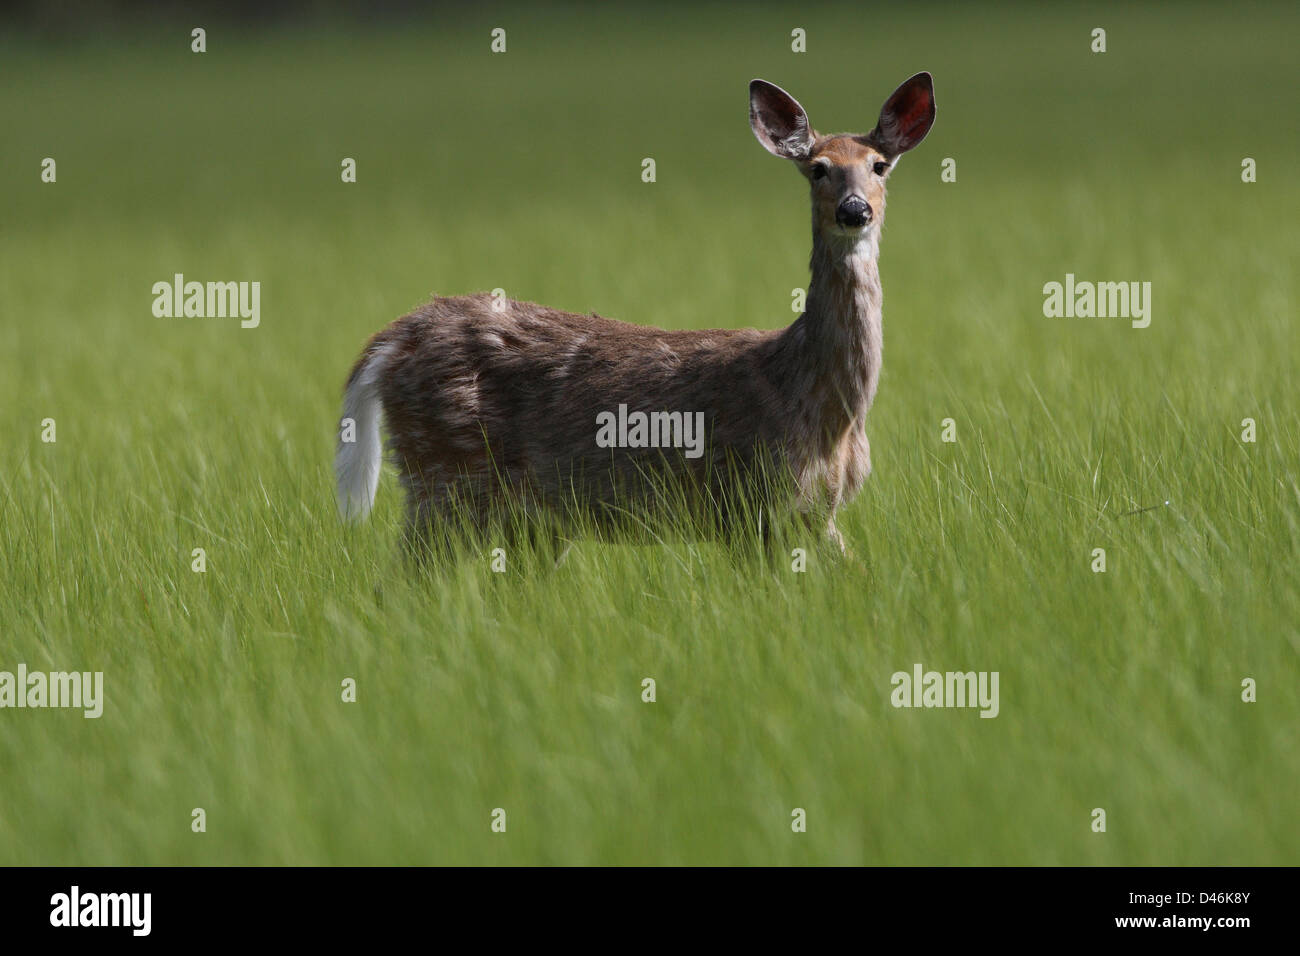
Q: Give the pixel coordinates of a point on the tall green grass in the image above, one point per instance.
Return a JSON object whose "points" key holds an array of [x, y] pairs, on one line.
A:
{"points": [[522, 690]]}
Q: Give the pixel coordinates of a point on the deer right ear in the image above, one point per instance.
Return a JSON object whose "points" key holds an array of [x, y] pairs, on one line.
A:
{"points": [[906, 116], [779, 121]]}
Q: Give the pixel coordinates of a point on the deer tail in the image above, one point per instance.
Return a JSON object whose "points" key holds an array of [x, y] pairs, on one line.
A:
{"points": [[357, 462]]}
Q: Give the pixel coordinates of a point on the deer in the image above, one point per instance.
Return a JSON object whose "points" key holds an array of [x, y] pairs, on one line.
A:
{"points": [[490, 402]]}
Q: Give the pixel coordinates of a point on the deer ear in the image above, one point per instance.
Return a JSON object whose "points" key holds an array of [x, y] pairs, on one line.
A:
{"points": [[906, 116], [779, 121]]}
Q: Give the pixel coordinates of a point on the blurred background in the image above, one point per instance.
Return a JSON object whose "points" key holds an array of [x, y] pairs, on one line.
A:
{"points": [[523, 170]]}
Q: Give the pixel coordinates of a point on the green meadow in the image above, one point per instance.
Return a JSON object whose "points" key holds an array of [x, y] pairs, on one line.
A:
{"points": [[522, 691]]}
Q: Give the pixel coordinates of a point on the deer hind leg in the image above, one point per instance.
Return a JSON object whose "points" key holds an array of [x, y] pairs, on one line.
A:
{"points": [[424, 535], [439, 514], [519, 519]]}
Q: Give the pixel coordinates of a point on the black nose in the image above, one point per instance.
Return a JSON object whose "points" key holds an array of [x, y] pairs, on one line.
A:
{"points": [[854, 211]]}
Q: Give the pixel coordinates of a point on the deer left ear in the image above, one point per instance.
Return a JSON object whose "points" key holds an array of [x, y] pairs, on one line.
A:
{"points": [[906, 116], [779, 122]]}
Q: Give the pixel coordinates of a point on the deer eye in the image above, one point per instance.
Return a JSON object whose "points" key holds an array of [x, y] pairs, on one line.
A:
{"points": [[880, 168], [819, 171]]}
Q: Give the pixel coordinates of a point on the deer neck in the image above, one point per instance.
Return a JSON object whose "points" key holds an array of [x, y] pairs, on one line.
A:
{"points": [[837, 341]]}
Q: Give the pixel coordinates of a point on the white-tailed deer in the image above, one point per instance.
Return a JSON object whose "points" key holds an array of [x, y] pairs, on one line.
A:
{"points": [[493, 403]]}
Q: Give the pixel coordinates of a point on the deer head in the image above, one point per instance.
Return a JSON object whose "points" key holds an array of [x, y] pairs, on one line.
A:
{"points": [[847, 171]]}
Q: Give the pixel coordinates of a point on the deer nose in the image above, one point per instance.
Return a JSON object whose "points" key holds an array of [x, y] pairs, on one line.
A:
{"points": [[853, 211]]}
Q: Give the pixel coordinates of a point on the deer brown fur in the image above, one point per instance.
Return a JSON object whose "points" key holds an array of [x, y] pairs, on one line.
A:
{"points": [[493, 402]]}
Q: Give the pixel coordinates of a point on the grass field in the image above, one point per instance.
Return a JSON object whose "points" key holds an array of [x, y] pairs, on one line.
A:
{"points": [[475, 690]]}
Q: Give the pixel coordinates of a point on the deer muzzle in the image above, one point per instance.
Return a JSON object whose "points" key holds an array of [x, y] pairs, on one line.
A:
{"points": [[853, 212]]}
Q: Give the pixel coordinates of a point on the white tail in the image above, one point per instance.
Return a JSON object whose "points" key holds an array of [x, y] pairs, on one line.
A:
{"points": [[356, 465]]}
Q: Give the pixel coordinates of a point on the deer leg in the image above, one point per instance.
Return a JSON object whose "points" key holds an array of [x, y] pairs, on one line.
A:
{"points": [[419, 525], [834, 537]]}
